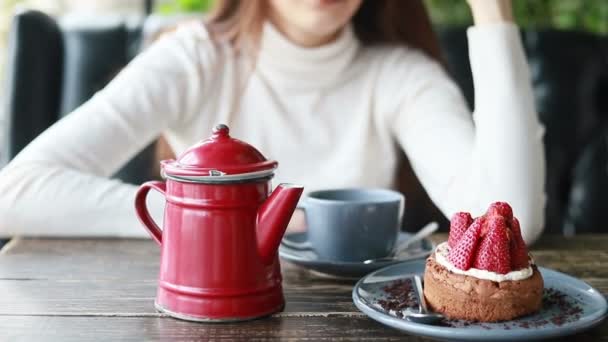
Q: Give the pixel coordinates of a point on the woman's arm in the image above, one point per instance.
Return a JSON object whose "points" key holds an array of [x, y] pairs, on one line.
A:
{"points": [[58, 185], [466, 164], [491, 11]]}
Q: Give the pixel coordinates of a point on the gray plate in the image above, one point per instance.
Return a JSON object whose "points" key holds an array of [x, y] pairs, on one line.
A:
{"points": [[343, 269], [369, 291]]}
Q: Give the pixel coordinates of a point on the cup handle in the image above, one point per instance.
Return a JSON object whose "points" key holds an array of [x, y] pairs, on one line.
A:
{"points": [[142, 212], [298, 245]]}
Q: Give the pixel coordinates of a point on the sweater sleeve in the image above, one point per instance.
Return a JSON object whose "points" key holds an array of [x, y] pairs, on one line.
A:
{"points": [[58, 185], [463, 163]]}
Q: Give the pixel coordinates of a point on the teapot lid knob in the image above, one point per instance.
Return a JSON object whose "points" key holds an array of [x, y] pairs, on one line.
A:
{"points": [[221, 129], [221, 158]]}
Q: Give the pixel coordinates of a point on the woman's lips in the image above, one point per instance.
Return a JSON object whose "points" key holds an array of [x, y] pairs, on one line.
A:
{"points": [[325, 3]]}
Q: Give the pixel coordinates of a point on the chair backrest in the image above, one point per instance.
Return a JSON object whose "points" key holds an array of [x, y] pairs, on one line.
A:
{"points": [[95, 51], [54, 67], [570, 77], [34, 66]]}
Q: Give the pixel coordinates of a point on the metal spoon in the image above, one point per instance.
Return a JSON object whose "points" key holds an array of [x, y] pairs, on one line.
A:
{"points": [[422, 315], [421, 234]]}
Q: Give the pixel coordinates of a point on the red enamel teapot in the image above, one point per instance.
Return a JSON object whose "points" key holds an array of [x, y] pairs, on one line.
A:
{"points": [[222, 228]]}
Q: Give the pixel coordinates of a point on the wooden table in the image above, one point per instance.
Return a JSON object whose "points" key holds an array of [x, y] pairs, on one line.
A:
{"points": [[98, 290]]}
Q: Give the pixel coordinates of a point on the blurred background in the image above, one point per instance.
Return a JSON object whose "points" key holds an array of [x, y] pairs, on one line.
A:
{"points": [[54, 54]]}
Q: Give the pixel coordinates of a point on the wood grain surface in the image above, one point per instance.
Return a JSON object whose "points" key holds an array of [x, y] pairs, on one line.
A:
{"points": [[103, 289]]}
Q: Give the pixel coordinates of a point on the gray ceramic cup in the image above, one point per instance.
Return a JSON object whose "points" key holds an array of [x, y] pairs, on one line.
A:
{"points": [[352, 225]]}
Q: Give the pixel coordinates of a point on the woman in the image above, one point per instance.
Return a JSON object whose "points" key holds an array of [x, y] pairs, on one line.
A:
{"points": [[330, 88]]}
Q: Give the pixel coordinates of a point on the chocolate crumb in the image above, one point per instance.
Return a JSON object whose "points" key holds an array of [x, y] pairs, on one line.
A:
{"points": [[400, 296], [525, 325], [559, 308]]}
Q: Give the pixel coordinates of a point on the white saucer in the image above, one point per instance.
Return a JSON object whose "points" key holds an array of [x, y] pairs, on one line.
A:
{"points": [[345, 269]]}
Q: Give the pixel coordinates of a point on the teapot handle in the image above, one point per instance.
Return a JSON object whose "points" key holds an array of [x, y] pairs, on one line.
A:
{"points": [[142, 210]]}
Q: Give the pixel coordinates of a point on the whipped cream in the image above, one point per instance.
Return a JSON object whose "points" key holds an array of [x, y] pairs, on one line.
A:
{"points": [[441, 256]]}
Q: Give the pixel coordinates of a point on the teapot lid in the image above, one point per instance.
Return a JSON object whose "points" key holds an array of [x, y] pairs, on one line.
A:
{"points": [[219, 158]]}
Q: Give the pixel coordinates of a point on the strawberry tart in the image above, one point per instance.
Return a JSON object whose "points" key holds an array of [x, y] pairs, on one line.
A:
{"points": [[483, 272]]}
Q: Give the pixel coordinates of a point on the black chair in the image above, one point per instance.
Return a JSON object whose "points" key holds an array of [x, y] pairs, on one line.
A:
{"points": [[53, 67], [570, 79]]}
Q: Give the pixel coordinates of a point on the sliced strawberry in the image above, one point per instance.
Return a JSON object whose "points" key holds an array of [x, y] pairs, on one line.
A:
{"points": [[516, 229], [463, 253], [494, 250], [458, 225], [501, 208], [519, 251]]}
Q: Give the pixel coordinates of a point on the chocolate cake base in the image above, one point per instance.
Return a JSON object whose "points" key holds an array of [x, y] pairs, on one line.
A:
{"points": [[459, 296]]}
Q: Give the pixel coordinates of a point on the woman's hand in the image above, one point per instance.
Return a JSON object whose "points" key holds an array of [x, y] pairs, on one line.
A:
{"points": [[297, 223], [491, 11]]}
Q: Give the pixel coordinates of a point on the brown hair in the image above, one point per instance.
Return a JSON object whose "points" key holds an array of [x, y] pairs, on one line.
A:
{"points": [[376, 22]]}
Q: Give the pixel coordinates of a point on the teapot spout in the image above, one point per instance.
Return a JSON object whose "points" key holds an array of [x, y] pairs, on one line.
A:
{"points": [[273, 217]]}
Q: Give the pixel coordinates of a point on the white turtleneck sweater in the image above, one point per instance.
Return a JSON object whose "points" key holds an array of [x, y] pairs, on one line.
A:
{"points": [[333, 116]]}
